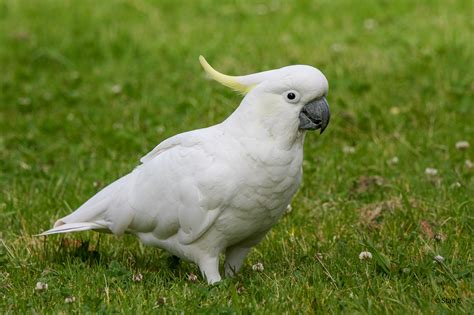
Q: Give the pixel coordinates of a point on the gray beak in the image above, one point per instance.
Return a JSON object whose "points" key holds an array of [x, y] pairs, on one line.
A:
{"points": [[315, 115]]}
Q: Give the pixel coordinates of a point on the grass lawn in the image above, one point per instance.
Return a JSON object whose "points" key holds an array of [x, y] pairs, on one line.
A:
{"points": [[88, 87]]}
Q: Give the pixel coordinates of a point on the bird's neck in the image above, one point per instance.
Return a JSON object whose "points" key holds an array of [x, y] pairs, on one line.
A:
{"points": [[249, 121]]}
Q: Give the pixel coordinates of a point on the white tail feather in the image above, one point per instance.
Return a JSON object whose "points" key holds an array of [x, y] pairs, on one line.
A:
{"points": [[90, 216], [74, 227]]}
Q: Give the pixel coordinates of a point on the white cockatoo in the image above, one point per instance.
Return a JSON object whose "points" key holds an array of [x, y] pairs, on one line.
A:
{"points": [[219, 189]]}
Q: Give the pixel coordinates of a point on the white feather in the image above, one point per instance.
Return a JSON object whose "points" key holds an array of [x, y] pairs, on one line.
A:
{"points": [[73, 227]]}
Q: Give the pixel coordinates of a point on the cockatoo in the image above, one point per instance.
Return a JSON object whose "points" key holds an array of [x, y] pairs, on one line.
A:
{"points": [[218, 189]]}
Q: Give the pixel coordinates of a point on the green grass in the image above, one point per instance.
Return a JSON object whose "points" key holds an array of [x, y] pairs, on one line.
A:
{"points": [[88, 87]]}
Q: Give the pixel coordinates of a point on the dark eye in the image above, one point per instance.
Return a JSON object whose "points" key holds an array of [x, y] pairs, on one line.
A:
{"points": [[291, 96]]}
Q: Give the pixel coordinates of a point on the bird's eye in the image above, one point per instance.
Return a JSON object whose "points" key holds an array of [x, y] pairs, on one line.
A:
{"points": [[292, 96]]}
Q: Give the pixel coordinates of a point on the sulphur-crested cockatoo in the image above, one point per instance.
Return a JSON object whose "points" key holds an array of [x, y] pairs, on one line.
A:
{"points": [[219, 189]]}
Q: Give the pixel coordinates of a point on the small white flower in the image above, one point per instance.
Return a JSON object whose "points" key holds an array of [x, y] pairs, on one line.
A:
{"points": [[456, 185], [394, 110], [365, 255], [192, 277], [25, 101], [70, 299], [25, 165], [370, 24], [116, 89], [336, 47], [431, 171], [41, 286], [393, 160], [462, 145], [289, 208], [468, 164], [160, 129], [348, 149], [258, 267], [439, 258], [137, 277], [240, 289]]}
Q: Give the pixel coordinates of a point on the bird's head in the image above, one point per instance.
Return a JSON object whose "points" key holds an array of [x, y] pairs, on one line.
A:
{"points": [[292, 96]]}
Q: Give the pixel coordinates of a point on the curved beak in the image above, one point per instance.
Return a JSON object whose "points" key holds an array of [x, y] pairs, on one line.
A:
{"points": [[315, 115]]}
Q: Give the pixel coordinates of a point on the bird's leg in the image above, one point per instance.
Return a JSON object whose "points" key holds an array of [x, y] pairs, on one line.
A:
{"points": [[209, 267], [234, 258]]}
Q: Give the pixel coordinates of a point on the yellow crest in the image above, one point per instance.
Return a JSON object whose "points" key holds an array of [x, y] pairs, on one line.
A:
{"points": [[227, 80]]}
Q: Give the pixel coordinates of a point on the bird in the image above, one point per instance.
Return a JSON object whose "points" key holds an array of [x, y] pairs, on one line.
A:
{"points": [[220, 189]]}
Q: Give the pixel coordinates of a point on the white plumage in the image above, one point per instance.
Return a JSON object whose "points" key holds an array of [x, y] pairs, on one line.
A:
{"points": [[219, 189]]}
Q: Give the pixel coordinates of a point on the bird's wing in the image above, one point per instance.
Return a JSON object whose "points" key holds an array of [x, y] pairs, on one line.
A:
{"points": [[181, 187], [195, 215], [185, 139], [184, 179]]}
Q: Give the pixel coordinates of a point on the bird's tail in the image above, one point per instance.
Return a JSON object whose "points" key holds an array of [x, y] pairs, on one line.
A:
{"points": [[107, 211], [74, 227]]}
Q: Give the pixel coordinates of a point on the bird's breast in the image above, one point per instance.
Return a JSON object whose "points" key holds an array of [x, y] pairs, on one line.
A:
{"points": [[268, 182]]}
